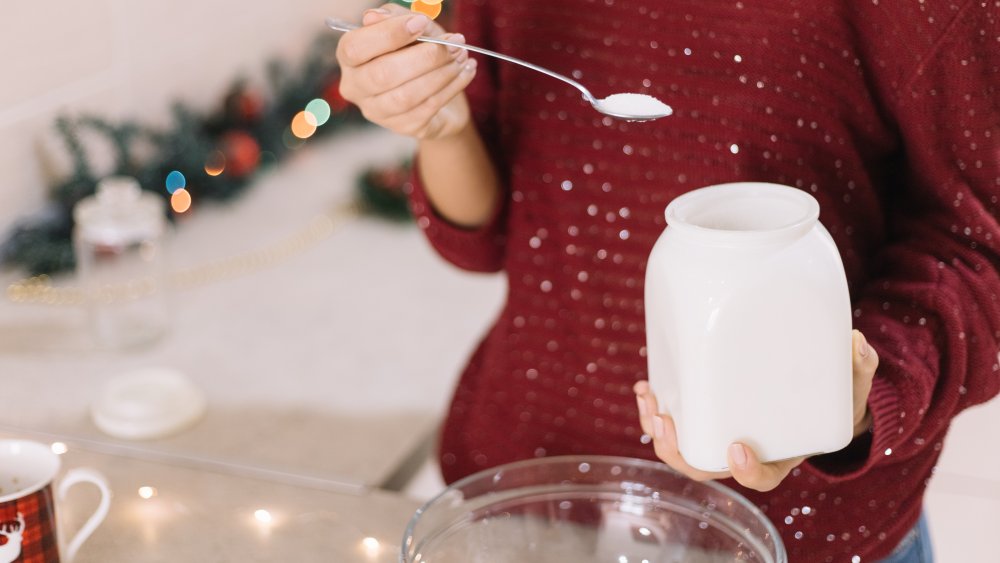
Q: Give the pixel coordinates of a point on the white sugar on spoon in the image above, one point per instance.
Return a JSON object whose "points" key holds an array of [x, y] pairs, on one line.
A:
{"points": [[631, 107], [634, 106]]}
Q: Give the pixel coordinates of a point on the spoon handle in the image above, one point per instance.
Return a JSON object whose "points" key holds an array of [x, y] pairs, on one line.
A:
{"points": [[341, 25]]}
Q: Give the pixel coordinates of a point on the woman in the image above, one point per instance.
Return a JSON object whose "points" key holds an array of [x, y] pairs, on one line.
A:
{"points": [[886, 113]]}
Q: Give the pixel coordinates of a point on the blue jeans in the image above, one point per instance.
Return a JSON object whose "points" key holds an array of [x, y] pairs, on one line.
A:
{"points": [[915, 547]]}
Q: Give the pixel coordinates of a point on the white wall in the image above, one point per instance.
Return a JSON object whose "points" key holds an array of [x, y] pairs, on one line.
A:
{"points": [[128, 58]]}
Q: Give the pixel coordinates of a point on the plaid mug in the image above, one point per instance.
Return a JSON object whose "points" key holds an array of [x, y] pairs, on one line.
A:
{"points": [[27, 504]]}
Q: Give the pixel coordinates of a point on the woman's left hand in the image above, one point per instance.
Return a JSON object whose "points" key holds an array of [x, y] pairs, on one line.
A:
{"points": [[744, 466]]}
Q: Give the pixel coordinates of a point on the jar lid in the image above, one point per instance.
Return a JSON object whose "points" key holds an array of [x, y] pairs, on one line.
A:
{"points": [[119, 213], [148, 403]]}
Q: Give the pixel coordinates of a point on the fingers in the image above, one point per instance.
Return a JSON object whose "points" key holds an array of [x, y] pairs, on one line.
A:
{"points": [[386, 34], [411, 89], [647, 404], [392, 70], [392, 9], [418, 117], [744, 465], [865, 358], [748, 471], [661, 428], [864, 363], [665, 445]]}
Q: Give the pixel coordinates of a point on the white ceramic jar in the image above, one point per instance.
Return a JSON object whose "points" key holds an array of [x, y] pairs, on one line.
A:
{"points": [[748, 325]]}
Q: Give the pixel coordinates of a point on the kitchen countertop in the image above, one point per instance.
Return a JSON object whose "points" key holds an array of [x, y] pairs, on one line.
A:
{"points": [[196, 515], [334, 365]]}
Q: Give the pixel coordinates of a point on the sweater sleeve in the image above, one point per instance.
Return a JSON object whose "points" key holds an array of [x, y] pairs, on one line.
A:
{"points": [[478, 249], [932, 309]]}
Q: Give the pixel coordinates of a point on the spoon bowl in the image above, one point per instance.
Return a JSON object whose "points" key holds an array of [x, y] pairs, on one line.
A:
{"points": [[627, 106]]}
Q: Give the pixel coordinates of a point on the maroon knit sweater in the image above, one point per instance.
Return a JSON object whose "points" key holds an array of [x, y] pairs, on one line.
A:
{"points": [[887, 111]]}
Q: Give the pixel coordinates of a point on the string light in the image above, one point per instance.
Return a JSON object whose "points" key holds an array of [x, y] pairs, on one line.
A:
{"points": [[39, 289], [371, 546], [180, 201], [262, 516], [303, 125], [147, 492], [175, 181], [429, 8], [320, 110], [215, 164], [59, 448], [290, 141]]}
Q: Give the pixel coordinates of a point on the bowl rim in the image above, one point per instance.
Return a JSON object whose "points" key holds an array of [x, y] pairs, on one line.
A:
{"points": [[769, 526]]}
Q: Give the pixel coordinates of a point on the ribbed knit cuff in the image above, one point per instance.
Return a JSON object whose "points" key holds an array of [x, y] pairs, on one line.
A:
{"points": [[868, 449], [476, 249]]}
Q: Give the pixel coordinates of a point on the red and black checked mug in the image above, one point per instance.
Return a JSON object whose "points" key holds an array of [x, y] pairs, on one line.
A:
{"points": [[27, 505]]}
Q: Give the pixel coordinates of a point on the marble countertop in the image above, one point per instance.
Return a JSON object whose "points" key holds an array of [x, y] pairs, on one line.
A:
{"points": [[334, 365], [190, 514]]}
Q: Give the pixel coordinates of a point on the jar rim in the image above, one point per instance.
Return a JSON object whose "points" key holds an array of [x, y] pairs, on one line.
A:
{"points": [[744, 212]]}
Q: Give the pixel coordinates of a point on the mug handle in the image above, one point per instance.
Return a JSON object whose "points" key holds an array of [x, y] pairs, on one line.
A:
{"points": [[85, 475]]}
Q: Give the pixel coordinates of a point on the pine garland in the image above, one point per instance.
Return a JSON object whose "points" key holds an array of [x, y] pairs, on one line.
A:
{"points": [[218, 154]]}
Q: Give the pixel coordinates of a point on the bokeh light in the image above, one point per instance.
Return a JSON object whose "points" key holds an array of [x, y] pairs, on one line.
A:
{"points": [[59, 448], [180, 201], [262, 516], [430, 10], [371, 546], [176, 181], [290, 141], [320, 111], [147, 492], [215, 164], [303, 125], [267, 159]]}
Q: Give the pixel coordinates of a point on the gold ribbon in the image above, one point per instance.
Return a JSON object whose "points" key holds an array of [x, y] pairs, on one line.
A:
{"points": [[39, 289]]}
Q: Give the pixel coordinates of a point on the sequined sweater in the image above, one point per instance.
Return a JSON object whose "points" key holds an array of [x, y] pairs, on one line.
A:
{"points": [[885, 111]]}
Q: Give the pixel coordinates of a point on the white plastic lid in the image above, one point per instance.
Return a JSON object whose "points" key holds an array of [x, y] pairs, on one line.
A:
{"points": [[148, 403], [119, 213]]}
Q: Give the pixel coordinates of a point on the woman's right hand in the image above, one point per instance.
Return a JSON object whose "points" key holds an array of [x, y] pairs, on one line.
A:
{"points": [[414, 89]]}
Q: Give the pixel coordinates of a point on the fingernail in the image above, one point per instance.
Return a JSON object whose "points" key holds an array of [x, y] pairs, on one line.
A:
{"points": [[462, 57], [642, 406], [658, 428], [416, 24], [739, 455], [456, 38], [382, 11], [863, 346], [470, 65]]}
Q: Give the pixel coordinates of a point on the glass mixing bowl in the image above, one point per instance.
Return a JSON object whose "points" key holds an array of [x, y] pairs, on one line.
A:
{"points": [[588, 509]]}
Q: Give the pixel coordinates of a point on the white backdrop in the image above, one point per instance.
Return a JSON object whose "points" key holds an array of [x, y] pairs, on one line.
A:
{"points": [[128, 58]]}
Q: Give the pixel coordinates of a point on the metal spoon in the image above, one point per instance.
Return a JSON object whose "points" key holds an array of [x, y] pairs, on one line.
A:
{"points": [[612, 105]]}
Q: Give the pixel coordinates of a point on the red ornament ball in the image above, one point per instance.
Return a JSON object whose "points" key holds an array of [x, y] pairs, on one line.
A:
{"points": [[242, 153], [244, 106], [331, 93], [391, 179]]}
